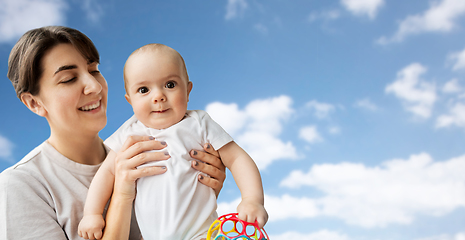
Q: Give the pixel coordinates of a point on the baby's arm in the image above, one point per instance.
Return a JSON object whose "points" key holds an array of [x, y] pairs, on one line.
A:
{"points": [[248, 179], [99, 193]]}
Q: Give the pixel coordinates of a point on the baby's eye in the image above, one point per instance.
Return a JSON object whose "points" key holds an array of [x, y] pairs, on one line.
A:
{"points": [[170, 84], [143, 90]]}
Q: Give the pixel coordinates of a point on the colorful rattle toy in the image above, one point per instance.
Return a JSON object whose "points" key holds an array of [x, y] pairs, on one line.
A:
{"points": [[229, 226]]}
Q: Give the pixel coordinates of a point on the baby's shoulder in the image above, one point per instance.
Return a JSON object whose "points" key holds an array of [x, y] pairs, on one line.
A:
{"points": [[197, 114]]}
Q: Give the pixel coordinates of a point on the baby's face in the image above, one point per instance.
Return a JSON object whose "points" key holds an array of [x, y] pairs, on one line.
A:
{"points": [[157, 88]]}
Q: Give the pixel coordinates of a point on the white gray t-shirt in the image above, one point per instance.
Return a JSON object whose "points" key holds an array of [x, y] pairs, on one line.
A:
{"points": [[175, 205], [43, 195]]}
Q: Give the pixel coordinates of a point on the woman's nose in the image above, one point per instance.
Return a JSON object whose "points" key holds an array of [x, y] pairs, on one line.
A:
{"points": [[92, 85]]}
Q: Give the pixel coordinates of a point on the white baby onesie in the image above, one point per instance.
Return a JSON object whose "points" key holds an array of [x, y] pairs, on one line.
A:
{"points": [[175, 205]]}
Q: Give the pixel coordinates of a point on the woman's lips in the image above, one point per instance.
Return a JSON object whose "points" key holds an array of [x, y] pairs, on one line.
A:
{"points": [[90, 107]]}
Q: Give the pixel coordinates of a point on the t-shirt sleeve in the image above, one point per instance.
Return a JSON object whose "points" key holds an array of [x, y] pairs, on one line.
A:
{"points": [[214, 133], [117, 139], [25, 209]]}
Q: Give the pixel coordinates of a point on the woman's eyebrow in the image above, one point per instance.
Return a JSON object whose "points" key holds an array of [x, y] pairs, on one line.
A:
{"points": [[65, 67]]}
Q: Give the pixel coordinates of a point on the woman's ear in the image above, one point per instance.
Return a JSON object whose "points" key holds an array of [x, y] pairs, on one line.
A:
{"points": [[33, 103]]}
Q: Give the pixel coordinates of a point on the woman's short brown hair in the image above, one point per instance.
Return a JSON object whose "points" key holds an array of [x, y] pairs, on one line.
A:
{"points": [[24, 63]]}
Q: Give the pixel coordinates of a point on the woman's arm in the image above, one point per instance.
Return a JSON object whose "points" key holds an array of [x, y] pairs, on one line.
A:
{"points": [[133, 153], [26, 210], [210, 164]]}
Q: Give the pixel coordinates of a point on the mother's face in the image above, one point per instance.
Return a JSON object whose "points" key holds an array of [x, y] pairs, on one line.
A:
{"points": [[73, 93]]}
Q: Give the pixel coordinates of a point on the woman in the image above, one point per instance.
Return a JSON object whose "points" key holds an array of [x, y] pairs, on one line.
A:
{"points": [[55, 74]]}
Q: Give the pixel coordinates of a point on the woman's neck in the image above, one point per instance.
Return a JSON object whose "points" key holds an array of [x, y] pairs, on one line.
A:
{"points": [[81, 149]]}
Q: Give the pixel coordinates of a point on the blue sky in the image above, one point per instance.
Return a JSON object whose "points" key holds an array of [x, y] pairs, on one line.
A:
{"points": [[354, 110]]}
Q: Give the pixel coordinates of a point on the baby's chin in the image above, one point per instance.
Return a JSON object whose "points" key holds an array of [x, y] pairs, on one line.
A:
{"points": [[160, 125]]}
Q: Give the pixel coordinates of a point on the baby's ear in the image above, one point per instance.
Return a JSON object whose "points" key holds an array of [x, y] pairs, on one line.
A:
{"points": [[189, 89], [127, 98], [33, 103]]}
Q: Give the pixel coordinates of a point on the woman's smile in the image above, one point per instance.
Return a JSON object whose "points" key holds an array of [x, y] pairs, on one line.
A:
{"points": [[91, 106]]}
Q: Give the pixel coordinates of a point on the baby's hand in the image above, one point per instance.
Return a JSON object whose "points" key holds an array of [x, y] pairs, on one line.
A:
{"points": [[91, 227], [250, 211]]}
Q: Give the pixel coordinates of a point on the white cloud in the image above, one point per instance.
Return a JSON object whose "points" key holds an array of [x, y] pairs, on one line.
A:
{"points": [[235, 8], [261, 28], [321, 110], [310, 134], [279, 208], [334, 130], [456, 116], [320, 235], [228, 116], [363, 7], [257, 127], [452, 86], [458, 236], [6, 149], [19, 16], [417, 95], [93, 10], [266, 148], [267, 115], [459, 59], [440, 17], [324, 15], [227, 207], [392, 193], [366, 103]]}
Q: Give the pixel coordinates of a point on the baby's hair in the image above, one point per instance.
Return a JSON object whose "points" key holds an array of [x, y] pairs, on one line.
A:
{"points": [[154, 47]]}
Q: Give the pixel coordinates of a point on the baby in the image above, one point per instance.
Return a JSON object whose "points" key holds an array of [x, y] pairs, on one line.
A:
{"points": [[173, 205]]}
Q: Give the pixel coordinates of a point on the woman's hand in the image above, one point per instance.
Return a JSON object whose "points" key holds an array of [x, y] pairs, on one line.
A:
{"points": [[135, 152], [210, 164]]}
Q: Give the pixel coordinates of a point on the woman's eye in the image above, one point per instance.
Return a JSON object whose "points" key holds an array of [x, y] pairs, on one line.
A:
{"points": [[68, 80], [170, 84], [143, 90]]}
